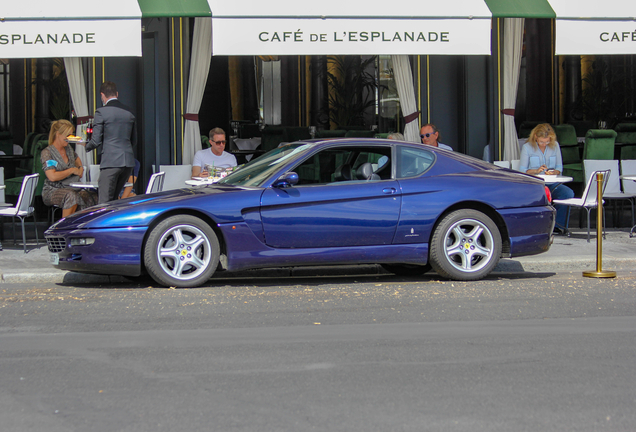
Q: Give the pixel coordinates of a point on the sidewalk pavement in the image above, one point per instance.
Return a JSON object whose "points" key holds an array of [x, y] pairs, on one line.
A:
{"points": [[566, 254]]}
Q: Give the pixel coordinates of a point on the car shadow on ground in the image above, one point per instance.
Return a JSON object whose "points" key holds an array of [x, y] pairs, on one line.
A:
{"points": [[286, 277]]}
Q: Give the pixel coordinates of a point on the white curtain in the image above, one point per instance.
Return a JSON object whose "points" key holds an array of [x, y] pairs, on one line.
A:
{"points": [[406, 92], [75, 78], [513, 43], [199, 68]]}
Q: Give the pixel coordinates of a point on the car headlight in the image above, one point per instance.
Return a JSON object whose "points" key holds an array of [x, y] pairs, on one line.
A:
{"points": [[82, 241]]}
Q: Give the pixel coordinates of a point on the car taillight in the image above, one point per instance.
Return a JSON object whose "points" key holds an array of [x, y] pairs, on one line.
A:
{"points": [[548, 194]]}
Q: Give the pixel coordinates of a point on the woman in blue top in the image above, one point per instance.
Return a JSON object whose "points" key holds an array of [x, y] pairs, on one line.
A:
{"points": [[542, 155]]}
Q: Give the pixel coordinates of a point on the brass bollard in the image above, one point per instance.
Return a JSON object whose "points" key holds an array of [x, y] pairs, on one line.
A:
{"points": [[599, 273]]}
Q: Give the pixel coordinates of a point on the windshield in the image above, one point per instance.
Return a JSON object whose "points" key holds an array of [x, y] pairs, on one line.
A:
{"points": [[260, 169]]}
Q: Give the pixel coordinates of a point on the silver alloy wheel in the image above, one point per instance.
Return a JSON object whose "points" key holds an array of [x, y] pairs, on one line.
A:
{"points": [[469, 245], [184, 252]]}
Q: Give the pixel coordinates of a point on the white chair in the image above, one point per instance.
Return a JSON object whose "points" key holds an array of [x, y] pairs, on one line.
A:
{"points": [[514, 164], [24, 207], [587, 201], [628, 167], [2, 202], [93, 173], [155, 184], [175, 176], [613, 189], [503, 164]]}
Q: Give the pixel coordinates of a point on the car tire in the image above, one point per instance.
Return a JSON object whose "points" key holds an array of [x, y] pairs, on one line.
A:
{"points": [[466, 245], [407, 269], [181, 251]]}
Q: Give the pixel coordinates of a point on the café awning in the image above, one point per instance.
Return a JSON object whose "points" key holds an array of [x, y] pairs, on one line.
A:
{"points": [[520, 8], [83, 28], [595, 27], [70, 28], [286, 27], [174, 8]]}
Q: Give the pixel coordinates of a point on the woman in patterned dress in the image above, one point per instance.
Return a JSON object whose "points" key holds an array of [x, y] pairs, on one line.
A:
{"points": [[62, 167]]}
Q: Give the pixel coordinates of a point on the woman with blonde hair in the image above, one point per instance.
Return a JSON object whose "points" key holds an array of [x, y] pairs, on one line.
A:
{"points": [[63, 167], [542, 155]]}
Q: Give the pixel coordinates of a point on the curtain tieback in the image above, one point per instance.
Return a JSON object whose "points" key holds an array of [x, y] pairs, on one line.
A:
{"points": [[411, 117], [85, 119], [508, 111], [191, 117]]}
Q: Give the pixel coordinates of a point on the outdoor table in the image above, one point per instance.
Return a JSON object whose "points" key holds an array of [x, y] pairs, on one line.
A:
{"points": [[551, 179], [85, 185], [199, 181], [91, 185], [10, 162], [631, 177]]}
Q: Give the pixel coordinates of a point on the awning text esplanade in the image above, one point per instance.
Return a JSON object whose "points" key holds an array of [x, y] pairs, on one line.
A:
{"points": [[283, 27]]}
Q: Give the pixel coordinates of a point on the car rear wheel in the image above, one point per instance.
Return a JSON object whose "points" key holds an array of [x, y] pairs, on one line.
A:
{"points": [[407, 269], [182, 251], [466, 245]]}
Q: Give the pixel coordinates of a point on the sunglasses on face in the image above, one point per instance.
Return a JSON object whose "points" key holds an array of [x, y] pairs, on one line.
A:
{"points": [[426, 135], [218, 142]]}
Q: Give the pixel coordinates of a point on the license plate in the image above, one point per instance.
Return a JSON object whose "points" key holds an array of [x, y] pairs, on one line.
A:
{"points": [[54, 259]]}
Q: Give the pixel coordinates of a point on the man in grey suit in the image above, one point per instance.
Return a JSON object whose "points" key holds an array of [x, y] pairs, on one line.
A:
{"points": [[115, 134]]}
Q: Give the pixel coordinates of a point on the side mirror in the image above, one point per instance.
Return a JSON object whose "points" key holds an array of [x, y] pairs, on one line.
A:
{"points": [[286, 180]]}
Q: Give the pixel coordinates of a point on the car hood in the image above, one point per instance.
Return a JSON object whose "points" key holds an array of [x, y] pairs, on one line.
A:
{"points": [[222, 203]]}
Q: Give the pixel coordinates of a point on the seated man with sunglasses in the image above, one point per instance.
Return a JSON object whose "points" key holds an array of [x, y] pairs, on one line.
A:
{"points": [[430, 135], [215, 156]]}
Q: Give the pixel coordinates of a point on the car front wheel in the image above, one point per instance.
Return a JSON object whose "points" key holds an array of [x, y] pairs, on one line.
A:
{"points": [[466, 245], [182, 251]]}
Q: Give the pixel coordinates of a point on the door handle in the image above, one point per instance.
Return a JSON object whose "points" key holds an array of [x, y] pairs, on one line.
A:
{"points": [[389, 190]]}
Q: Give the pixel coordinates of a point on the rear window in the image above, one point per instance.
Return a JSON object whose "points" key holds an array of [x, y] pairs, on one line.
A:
{"points": [[413, 161]]}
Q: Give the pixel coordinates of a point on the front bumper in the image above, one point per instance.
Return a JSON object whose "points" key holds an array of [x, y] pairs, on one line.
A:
{"points": [[114, 251]]}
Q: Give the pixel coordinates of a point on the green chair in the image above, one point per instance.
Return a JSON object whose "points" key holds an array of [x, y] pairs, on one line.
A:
{"points": [[566, 135], [25, 167], [627, 139], [625, 127], [628, 152], [382, 135], [570, 155], [599, 144], [574, 170], [331, 133], [14, 184]]}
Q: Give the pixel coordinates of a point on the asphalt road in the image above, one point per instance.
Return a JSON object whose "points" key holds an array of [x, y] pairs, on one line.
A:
{"points": [[530, 352]]}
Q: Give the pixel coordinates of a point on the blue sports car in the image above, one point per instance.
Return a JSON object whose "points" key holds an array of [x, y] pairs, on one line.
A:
{"points": [[406, 206]]}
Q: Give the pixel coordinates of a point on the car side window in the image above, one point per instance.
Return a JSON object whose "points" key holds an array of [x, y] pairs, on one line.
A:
{"points": [[320, 168], [338, 164], [413, 161]]}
